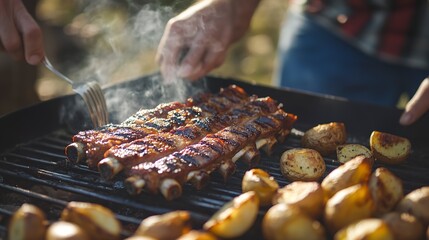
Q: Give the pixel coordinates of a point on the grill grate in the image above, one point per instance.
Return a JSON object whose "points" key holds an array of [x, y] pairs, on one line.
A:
{"points": [[37, 172]]}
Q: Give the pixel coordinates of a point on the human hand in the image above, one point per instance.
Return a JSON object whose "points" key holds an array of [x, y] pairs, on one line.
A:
{"points": [[196, 41], [417, 106], [20, 36]]}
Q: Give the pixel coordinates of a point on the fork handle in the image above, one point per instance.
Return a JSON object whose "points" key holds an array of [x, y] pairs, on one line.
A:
{"points": [[49, 66]]}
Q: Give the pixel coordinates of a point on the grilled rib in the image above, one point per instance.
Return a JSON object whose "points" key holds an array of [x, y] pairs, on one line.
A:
{"points": [[215, 151], [93, 144], [155, 146]]}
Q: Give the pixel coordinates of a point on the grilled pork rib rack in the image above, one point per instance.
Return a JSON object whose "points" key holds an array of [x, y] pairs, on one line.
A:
{"points": [[161, 149], [92, 144]]}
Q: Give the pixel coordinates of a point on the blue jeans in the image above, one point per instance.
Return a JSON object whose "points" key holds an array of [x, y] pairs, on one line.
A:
{"points": [[314, 59]]}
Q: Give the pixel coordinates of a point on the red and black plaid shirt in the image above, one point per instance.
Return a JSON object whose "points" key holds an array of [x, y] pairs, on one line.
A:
{"points": [[396, 30]]}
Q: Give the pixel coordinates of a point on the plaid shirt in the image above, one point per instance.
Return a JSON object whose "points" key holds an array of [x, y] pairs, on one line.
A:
{"points": [[395, 30]]}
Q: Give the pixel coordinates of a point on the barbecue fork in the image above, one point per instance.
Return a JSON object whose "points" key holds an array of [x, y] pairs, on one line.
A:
{"points": [[90, 92]]}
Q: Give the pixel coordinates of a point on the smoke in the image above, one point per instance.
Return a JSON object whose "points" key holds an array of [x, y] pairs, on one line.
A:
{"points": [[122, 41]]}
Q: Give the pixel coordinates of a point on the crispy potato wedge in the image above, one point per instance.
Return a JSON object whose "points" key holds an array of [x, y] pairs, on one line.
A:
{"points": [[302, 164], [404, 226], [28, 222], [235, 217], [355, 171], [308, 196], [62, 230], [347, 152], [259, 181], [417, 204], [197, 235], [166, 226], [386, 190], [325, 138], [347, 206], [283, 221], [389, 148], [97, 221], [368, 229]]}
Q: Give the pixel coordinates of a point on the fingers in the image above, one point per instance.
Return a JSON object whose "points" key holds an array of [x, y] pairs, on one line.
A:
{"points": [[417, 106], [9, 37], [31, 34]]}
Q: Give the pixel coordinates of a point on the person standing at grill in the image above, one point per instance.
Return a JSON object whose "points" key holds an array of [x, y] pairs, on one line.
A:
{"points": [[370, 51]]}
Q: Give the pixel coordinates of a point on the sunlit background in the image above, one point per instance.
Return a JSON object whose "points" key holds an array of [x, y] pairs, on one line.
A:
{"points": [[115, 41]]}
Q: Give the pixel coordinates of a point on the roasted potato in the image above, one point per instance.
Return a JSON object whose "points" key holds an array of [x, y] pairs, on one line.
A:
{"points": [[140, 238], [65, 231], [261, 183], [28, 222], [235, 217], [347, 152], [355, 171], [417, 204], [389, 148], [302, 164], [386, 190], [283, 221], [97, 221], [308, 196], [347, 206], [368, 229], [197, 235], [166, 226], [325, 138], [404, 226]]}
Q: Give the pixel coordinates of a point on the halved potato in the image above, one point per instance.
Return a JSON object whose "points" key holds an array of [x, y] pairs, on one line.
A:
{"points": [[62, 230], [197, 235], [386, 190], [302, 164], [166, 226], [355, 171], [389, 148], [235, 217], [417, 204], [404, 226], [259, 181], [28, 222], [325, 138], [283, 221], [346, 152], [368, 229], [308, 196], [97, 221], [347, 206]]}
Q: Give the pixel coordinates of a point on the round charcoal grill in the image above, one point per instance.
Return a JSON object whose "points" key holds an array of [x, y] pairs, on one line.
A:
{"points": [[33, 167]]}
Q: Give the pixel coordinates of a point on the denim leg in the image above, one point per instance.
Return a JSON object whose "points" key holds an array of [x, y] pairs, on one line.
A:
{"points": [[314, 59]]}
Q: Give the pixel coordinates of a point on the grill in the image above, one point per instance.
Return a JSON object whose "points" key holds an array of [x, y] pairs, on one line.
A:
{"points": [[33, 167]]}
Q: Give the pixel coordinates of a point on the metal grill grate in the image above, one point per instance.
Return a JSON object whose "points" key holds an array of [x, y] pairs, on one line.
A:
{"points": [[37, 172]]}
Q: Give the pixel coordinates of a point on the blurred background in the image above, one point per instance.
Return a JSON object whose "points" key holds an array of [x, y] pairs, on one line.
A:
{"points": [[114, 41]]}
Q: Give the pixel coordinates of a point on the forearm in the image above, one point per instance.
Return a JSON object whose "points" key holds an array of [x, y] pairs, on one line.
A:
{"points": [[242, 12]]}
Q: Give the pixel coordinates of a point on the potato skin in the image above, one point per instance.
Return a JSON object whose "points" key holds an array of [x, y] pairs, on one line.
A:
{"points": [[28, 222], [417, 204], [366, 229], [355, 171], [259, 181], [389, 148], [166, 226], [283, 221], [347, 206], [404, 226], [386, 190], [308, 196], [302, 164], [325, 138]]}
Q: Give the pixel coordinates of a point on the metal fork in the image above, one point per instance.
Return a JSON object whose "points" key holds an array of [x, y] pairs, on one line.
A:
{"points": [[90, 92]]}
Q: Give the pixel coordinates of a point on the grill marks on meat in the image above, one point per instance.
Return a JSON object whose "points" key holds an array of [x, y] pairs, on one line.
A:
{"points": [[209, 153], [163, 118], [154, 146]]}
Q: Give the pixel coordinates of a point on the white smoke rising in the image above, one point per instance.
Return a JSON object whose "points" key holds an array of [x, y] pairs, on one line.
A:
{"points": [[122, 47]]}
